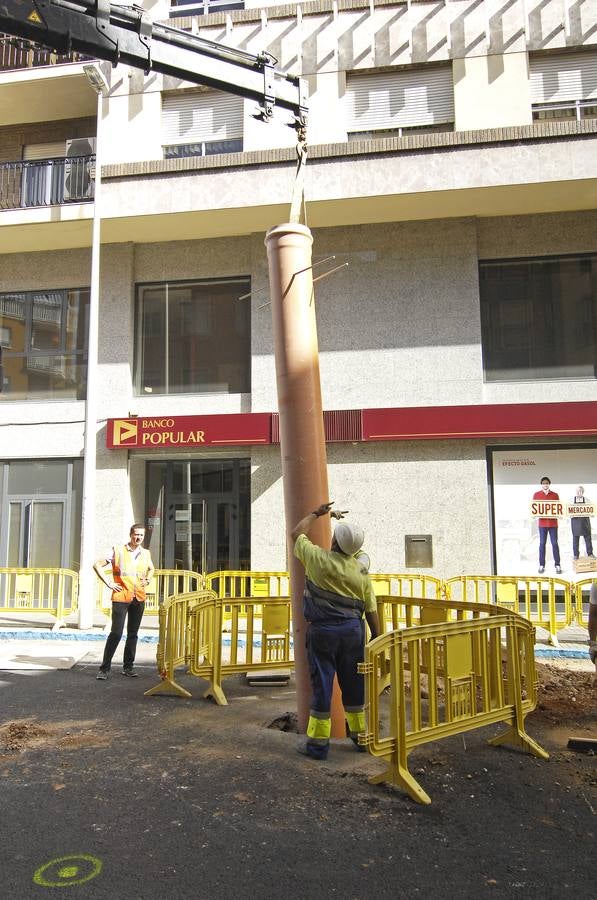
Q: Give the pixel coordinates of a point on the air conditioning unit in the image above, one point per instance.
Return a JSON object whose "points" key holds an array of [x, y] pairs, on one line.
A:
{"points": [[77, 176]]}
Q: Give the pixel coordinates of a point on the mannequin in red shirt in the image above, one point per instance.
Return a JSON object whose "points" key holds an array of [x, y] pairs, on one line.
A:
{"points": [[548, 527]]}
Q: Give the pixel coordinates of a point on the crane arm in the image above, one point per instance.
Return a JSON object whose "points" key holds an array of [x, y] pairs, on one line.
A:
{"points": [[126, 34]]}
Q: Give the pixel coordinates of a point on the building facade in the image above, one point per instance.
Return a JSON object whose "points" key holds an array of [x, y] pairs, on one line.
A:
{"points": [[452, 168]]}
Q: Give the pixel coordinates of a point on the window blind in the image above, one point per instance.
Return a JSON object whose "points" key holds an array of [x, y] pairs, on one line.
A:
{"points": [[401, 99], [563, 76], [44, 151], [191, 117]]}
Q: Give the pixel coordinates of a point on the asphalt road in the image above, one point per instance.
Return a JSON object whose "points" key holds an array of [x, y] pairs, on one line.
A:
{"points": [[109, 794]]}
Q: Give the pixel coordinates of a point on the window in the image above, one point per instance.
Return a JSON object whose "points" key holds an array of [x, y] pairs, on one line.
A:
{"points": [[381, 104], [539, 318], [201, 123], [40, 521], [57, 172], [202, 7], [5, 336], [47, 354], [193, 337], [563, 86]]}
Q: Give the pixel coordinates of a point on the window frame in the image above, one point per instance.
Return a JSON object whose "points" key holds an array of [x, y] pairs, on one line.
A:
{"points": [[485, 326], [397, 79], [569, 67], [194, 107], [244, 284], [79, 356]]}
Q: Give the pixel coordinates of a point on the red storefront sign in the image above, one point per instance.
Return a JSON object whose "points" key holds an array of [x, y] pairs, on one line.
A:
{"points": [[188, 432], [495, 420], [530, 420]]}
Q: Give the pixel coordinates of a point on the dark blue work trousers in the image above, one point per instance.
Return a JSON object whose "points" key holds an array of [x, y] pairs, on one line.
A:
{"points": [[336, 648]]}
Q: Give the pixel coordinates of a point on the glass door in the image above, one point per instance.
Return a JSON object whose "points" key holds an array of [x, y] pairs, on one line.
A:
{"points": [[222, 554], [35, 533], [198, 513], [186, 535]]}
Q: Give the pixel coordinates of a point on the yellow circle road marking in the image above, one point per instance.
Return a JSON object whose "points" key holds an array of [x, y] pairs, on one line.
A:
{"points": [[79, 868]]}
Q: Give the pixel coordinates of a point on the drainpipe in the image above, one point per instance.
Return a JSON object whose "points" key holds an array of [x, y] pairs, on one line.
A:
{"points": [[87, 577]]}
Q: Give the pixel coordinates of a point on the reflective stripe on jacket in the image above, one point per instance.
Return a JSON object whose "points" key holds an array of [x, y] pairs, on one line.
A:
{"points": [[128, 570]]}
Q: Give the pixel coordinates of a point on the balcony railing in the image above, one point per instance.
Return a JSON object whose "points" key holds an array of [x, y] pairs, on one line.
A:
{"points": [[46, 182], [203, 7], [572, 109], [16, 53]]}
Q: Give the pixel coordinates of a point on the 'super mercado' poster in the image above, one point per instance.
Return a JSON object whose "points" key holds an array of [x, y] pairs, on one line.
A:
{"points": [[516, 476]]}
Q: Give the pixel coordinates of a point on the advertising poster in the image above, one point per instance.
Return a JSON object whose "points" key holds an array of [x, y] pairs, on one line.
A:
{"points": [[516, 477]]}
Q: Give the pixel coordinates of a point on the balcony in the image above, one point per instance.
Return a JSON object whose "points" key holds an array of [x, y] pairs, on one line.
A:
{"points": [[20, 54], [51, 89], [46, 182]]}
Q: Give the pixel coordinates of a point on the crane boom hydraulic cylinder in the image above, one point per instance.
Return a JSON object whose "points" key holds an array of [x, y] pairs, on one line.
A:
{"points": [[126, 34]]}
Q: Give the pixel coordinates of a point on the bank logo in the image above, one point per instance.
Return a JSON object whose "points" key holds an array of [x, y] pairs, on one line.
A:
{"points": [[125, 433]]}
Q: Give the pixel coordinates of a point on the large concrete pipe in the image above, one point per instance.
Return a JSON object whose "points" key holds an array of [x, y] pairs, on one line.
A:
{"points": [[302, 436]]}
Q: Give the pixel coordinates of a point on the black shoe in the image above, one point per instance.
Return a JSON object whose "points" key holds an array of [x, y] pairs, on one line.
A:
{"points": [[101, 675], [130, 673], [303, 749], [360, 748]]}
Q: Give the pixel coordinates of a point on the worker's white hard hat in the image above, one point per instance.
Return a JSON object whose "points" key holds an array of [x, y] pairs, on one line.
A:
{"points": [[350, 538]]}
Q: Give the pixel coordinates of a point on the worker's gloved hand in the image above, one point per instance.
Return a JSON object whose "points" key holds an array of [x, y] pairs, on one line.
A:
{"points": [[323, 509], [338, 513], [593, 651]]}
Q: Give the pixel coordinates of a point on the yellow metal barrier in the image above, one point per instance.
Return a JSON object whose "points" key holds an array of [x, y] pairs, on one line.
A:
{"points": [[535, 598], [409, 585], [248, 584], [581, 592], [189, 629], [165, 583], [191, 635], [453, 674], [39, 590], [259, 640]]}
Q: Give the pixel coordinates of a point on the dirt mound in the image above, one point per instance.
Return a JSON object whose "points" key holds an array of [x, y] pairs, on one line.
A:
{"points": [[18, 735], [27, 734], [567, 692]]}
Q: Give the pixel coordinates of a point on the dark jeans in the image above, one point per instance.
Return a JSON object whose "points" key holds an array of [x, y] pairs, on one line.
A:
{"points": [[553, 536], [120, 611]]}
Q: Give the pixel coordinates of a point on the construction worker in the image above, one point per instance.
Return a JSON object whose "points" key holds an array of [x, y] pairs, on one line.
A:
{"points": [[132, 570], [593, 624], [337, 593]]}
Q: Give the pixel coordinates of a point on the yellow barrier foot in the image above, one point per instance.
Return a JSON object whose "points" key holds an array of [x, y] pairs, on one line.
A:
{"points": [[402, 778], [216, 693], [519, 739], [553, 640], [167, 686]]}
